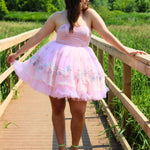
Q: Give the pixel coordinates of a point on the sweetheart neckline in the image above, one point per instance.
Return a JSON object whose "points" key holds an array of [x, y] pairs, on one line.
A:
{"points": [[74, 26]]}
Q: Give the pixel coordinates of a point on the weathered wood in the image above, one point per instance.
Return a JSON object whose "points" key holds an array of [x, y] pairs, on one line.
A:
{"points": [[101, 57], [4, 75], [117, 130], [16, 77], [8, 51], [111, 75], [127, 89], [130, 106], [139, 62], [9, 42]]}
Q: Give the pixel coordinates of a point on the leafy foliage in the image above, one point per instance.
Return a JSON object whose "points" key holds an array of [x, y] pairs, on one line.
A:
{"points": [[35, 5], [3, 8], [125, 5], [56, 5], [143, 5]]}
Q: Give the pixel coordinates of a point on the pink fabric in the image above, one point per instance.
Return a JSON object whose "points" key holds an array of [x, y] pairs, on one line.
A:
{"points": [[66, 67]]}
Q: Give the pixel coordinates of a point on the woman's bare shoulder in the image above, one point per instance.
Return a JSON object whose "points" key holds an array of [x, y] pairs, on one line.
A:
{"points": [[59, 14], [90, 11]]}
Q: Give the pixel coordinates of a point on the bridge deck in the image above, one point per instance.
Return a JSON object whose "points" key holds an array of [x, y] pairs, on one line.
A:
{"points": [[31, 127]]}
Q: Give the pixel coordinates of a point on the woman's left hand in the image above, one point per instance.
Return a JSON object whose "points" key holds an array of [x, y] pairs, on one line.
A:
{"points": [[137, 52]]}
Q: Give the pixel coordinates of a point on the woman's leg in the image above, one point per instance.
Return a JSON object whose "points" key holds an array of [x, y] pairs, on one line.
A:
{"points": [[77, 109], [58, 119]]}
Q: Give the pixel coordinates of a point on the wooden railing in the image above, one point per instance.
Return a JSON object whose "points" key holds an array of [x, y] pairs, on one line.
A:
{"points": [[142, 64], [7, 45]]}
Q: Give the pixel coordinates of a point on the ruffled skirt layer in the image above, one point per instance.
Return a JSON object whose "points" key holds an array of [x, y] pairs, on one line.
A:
{"points": [[62, 71]]}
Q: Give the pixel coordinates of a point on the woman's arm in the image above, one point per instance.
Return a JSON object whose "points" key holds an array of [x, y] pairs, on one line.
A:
{"points": [[99, 25], [48, 28]]}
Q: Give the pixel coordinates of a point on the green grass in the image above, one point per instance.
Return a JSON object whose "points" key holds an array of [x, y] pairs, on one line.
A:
{"points": [[110, 17], [8, 29], [137, 37], [11, 28], [133, 30], [27, 16], [121, 18]]}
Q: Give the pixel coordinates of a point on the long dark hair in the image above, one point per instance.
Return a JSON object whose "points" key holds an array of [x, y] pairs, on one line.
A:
{"points": [[73, 12]]}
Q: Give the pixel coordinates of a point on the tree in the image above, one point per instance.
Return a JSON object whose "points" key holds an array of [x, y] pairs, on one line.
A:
{"points": [[35, 5], [50, 7], [125, 5], [12, 4], [110, 4], [143, 5], [59, 4], [3, 8]]}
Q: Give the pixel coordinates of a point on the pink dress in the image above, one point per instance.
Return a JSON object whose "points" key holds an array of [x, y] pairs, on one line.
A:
{"points": [[66, 67]]}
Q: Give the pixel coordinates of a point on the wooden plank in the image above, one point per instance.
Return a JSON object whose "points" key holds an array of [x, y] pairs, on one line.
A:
{"points": [[4, 75], [111, 75], [95, 50], [130, 106], [9, 42], [6, 102], [101, 57], [34, 130], [9, 51], [114, 123], [139, 62], [142, 58], [16, 77], [127, 89]]}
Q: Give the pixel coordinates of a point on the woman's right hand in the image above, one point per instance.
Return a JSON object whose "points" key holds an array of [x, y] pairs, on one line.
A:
{"points": [[11, 58]]}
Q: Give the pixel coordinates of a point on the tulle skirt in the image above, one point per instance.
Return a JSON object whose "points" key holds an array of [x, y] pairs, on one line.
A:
{"points": [[60, 70]]}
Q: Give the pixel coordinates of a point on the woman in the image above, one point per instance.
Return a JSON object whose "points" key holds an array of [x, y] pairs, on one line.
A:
{"points": [[67, 67]]}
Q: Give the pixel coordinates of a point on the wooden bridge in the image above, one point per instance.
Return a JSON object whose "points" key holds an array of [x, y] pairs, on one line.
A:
{"points": [[25, 121]]}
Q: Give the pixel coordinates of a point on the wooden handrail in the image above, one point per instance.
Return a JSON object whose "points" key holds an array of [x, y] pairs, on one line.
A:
{"points": [[12, 41], [139, 62], [6, 45]]}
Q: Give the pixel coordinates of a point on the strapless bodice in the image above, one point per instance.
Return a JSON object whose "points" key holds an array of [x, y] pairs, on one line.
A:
{"points": [[80, 37]]}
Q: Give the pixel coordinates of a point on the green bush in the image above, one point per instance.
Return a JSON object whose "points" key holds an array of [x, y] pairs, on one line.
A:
{"points": [[143, 5], [35, 5], [125, 5], [27, 16], [50, 7], [3, 9]]}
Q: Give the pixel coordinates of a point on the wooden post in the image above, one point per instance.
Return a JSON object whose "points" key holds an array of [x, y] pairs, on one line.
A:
{"points": [[95, 50], [16, 77], [90, 45], [111, 75], [8, 51], [101, 57], [127, 90]]}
